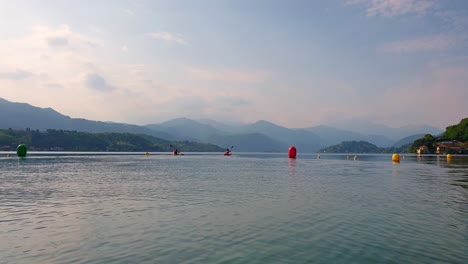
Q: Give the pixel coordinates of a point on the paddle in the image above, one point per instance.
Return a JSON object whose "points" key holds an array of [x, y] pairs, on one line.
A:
{"points": [[176, 152], [173, 149], [228, 151]]}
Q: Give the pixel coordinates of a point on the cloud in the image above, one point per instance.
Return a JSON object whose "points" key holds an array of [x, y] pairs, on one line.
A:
{"points": [[437, 98], [391, 8], [168, 37], [124, 48], [96, 82], [456, 19], [127, 12], [234, 101], [16, 75], [432, 43], [57, 41], [60, 37], [54, 85], [228, 75]]}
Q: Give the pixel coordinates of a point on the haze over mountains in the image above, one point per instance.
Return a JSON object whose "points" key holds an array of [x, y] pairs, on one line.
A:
{"points": [[259, 136], [22, 116]]}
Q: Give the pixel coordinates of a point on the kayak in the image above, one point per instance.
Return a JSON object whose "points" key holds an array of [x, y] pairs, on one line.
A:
{"points": [[179, 154]]}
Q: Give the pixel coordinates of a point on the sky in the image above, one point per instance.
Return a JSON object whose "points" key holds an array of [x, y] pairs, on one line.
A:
{"points": [[295, 63]]}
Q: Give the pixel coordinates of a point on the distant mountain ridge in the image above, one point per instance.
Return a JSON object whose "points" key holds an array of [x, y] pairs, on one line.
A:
{"points": [[185, 129], [258, 136], [308, 139], [407, 140], [332, 136], [367, 128], [23, 116]]}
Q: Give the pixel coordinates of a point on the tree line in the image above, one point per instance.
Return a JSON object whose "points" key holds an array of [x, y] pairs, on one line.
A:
{"points": [[83, 141], [362, 147], [453, 140]]}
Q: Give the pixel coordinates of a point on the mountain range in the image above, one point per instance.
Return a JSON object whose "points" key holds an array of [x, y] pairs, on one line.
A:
{"points": [[259, 136], [22, 116]]}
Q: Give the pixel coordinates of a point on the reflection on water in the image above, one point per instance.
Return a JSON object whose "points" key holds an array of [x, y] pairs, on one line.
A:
{"points": [[292, 166], [248, 208]]}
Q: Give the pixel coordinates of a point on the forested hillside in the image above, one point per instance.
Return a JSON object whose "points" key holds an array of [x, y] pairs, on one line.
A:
{"points": [[83, 141], [457, 132], [453, 140]]}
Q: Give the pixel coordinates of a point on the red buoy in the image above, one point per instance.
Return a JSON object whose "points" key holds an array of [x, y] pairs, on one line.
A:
{"points": [[292, 152]]}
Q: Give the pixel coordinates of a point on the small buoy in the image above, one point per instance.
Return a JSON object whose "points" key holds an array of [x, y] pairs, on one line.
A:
{"points": [[292, 152], [449, 156], [404, 157], [396, 158], [318, 156], [21, 150], [355, 157], [7, 155], [147, 154]]}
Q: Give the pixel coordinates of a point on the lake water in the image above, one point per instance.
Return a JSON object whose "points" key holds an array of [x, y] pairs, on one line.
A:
{"points": [[247, 208]]}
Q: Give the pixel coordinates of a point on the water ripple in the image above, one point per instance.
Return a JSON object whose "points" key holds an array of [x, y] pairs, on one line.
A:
{"points": [[208, 209]]}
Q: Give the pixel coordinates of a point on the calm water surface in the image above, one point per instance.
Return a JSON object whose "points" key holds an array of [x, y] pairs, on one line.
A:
{"points": [[247, 208]]}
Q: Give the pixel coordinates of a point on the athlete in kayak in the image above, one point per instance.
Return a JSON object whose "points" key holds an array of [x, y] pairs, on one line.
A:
{"points": [[227, 152], [175, 152]]}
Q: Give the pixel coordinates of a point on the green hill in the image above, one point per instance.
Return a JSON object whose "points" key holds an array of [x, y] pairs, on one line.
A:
{"points": [[353, 147], [457, 132], [83, 141], [453, 140]]}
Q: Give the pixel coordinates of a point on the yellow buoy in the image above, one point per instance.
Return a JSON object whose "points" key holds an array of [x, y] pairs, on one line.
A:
{"points": [[355, 157], [318, 156], [147, 154], [449, 156], [396, 158]]}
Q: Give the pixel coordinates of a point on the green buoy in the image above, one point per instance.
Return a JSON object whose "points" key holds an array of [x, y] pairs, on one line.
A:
{"points": [[21, 150]]}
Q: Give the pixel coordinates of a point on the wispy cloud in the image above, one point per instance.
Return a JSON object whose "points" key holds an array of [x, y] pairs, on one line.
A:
{"points": [[57, 41], [60, 37], [393, 7], [423, 44], [456, 19], [127, 12], [16, 75], [97, 82], [168, 37], [437, 97], [228, 75], [234, 101], [54, 85]]}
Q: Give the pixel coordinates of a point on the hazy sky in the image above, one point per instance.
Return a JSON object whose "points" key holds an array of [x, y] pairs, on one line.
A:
{"points": [[295, 63]]}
